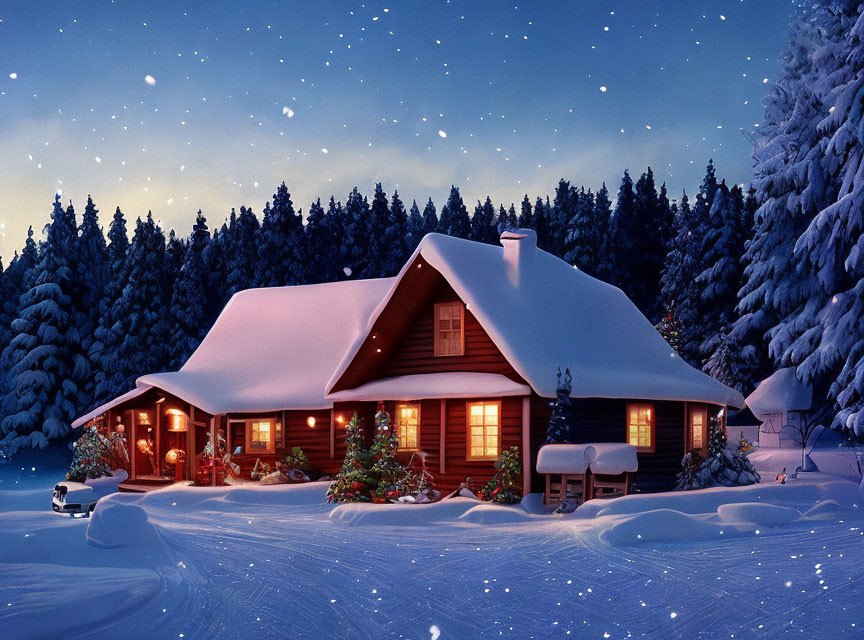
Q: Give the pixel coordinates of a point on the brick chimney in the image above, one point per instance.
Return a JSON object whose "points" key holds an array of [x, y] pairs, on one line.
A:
{"points": [[520, 245]]}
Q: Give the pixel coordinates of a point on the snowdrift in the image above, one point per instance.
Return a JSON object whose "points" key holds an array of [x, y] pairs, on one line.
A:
{"points": [[120, 523], [401, 515]]}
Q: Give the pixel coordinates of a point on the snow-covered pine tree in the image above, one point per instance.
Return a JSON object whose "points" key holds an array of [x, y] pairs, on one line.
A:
{"points": [[602, 222], [415, 229], [377, 249], [580, 249], [395, 237], [88, 290], [242, 251], [512, 218], [483, 223], [189, 308], [139, 328], [454, 216], [175, 254], [323, 246], [561, 429], [281, 251], [625, 260], [563, 210], [355, 238], [719, 282], [526, 215], [44, 352], [431, 223], [723, 467], [677, 279], [541, 222]]}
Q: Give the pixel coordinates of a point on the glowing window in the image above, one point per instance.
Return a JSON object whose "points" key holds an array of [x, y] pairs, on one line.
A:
{"points": [[698, 423], [640, 425], [449, 329], [484, 430], [408, 426], [259, 436]]}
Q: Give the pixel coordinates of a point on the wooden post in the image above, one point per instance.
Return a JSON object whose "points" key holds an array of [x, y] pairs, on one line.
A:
{"points": [[158, 441], [688, 436], [526, 445], [332, 432], [214, 445], [228, 446], [443, 444], [134, 445], [190, 453]]}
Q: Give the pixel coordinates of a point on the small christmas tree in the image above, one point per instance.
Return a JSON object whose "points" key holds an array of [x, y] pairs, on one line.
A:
{"points": [[393, 478], [506, 485], [353, 483], [92, 456], [688, 476], [297, 459], [670, 328], [560, 430], [722, 467]]}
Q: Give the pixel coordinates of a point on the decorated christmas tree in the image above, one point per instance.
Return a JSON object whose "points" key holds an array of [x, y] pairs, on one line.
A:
{"points": [[297, 459], [353, 482], [393, 478], [722, 467], [560, 430], [506, 485], [92, 455]]}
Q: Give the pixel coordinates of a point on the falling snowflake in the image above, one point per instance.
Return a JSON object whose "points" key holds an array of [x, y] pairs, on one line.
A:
{"points": [[288, 111], [324, 150], [150, 80], [603, 89], [13, 75], [443, 134]]}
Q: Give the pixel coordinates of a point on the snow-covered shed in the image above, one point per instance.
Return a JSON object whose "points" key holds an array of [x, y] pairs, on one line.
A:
{"points": [[779, 401], [462, 346]]}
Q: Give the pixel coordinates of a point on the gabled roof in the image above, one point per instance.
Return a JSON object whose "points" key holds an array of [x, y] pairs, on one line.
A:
{"points": [[547, 314], [270, 349]]}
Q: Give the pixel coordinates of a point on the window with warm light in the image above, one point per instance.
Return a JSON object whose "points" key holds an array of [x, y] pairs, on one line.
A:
{"points": [[640, 425], [484, 430], [408, 426], [449, 329], [698, 424], [259, 436]]}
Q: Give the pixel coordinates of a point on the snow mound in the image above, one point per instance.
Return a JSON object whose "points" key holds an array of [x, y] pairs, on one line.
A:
{"points": [[401, 515], [108, 484], [832, 510], [116, 523], [494, 514], [662, 525], [40, 594], [764, 515]]}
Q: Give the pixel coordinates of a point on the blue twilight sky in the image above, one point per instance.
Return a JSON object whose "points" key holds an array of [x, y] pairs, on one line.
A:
{"points": [[175, 105]]}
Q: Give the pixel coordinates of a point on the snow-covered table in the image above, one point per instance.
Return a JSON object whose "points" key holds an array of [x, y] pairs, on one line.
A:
{"points": [[592, 469]]}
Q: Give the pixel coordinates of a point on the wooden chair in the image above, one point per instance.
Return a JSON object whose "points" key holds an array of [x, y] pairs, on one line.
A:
{"points": [[566, 469], [612, 466], [566, 486], [604, 485]]}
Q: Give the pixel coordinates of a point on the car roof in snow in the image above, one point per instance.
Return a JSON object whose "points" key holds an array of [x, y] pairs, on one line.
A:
{"points": [[556, 315]]}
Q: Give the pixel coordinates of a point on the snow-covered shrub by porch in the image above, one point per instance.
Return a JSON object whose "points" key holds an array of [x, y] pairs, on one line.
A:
{"points": [[722, 467]]}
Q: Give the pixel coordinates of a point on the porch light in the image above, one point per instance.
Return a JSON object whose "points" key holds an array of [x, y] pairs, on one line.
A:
{"points": [[177, 420], [160, 400], [175, 455], [310, 422], [340, 419]]}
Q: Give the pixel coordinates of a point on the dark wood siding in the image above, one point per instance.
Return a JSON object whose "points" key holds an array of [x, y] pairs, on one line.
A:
{"points": [[604, 420], [314, 441], [415, 351]]}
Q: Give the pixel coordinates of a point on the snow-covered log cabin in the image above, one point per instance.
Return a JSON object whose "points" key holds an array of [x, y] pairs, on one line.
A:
{"points": [[462, 346]]}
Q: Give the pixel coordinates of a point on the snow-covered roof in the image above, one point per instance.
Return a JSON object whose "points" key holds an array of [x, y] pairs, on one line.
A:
{"points": [[780, 392], [270, 349], [98, 411], [434, 385], [543, 314]]}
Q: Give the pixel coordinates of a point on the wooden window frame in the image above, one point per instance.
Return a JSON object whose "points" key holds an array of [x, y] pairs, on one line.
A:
{"points": [[457, 304], [702, 410], [259, 452], [639, 449], [399, 406], [468, 456]]}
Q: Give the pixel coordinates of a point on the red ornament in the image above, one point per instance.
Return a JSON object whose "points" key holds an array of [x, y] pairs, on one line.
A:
{"points": [[357, 486]]}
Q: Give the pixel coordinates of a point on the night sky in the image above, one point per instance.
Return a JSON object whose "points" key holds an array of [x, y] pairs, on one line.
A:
{"points": [[172, 106]]}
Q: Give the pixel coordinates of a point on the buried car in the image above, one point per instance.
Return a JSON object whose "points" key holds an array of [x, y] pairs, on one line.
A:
{"points": [[74, 498]]}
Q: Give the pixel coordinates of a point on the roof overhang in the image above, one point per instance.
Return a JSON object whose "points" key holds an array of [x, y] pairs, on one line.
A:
{"points": [[434, 385], [141, 389]]}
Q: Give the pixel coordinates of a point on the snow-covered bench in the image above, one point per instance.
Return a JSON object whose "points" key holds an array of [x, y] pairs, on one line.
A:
{"points": [[612, 466], [566, 469], [590, 470]]}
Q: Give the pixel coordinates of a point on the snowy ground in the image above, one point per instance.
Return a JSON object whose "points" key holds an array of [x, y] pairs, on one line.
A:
{"points": [[274, 562]]}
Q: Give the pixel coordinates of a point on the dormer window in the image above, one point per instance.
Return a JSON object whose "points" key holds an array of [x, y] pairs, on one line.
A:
{"points": [[449, 329]]}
